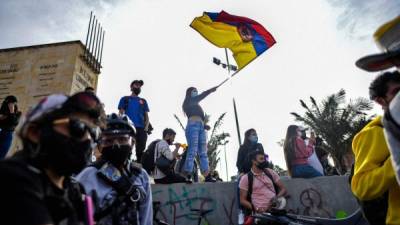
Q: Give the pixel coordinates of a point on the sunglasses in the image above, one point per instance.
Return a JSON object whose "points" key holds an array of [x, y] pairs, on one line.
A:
{"points": [[78, 128]]}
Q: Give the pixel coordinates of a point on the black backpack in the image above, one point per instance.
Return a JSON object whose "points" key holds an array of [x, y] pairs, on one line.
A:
{"points": [[148, 162], [374, 210], [250, 177]]}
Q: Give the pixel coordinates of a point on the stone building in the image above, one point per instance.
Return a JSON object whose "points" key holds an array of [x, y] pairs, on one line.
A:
{"points": [[33, 72]]}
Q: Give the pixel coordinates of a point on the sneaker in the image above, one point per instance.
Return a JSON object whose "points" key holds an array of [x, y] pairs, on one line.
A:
{"points": [[209, 178], [189, 179]]}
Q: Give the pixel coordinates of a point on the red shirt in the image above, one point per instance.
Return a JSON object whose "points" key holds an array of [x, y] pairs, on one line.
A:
{"points": [[302, 151]]}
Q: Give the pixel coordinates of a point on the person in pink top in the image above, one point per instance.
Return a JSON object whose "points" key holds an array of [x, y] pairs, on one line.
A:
{"points": [[266, 185], [297, 153]]}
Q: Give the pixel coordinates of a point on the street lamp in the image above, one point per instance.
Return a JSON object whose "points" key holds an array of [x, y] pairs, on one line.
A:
{"points": [[225, 66], [230, 68]]}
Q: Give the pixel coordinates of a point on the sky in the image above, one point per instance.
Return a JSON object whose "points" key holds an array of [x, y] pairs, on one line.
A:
{"points": [[318, 42]]}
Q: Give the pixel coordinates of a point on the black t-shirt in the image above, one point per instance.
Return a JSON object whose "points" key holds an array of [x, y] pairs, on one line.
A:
{"points": [[243, 162], [28, 197]]}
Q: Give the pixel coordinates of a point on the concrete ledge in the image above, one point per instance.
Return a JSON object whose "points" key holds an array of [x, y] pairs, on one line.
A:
{"points": [[323, 197], [178, 199]]}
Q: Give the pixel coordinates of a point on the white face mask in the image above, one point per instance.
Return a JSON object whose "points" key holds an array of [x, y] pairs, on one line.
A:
{"points": [[299, 133], [194, 94]]}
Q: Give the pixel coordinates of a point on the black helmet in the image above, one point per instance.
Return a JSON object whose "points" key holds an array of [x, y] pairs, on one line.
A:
{"points": [[119, 125]]}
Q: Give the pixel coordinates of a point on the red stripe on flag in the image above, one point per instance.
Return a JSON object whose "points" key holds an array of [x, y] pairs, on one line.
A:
{"points": [[226, 18]]}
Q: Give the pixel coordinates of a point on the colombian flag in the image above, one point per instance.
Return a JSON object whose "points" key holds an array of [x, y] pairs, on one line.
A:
{"points": [[246, 38]]}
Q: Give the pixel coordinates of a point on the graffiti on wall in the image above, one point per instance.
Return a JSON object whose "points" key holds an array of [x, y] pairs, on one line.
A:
{"points": [[187, 204], [311, 204]]}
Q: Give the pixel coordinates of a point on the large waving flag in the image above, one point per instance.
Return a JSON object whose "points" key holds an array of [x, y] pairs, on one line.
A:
{"points": [[246, 38]]}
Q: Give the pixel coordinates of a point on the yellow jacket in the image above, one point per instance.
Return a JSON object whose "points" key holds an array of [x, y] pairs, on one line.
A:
{"points": [[373, 172]]}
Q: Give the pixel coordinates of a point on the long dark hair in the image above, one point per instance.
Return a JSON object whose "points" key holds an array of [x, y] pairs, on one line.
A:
{"points": [[247, 135], [187, 98], [4, 106], [289, 147]]}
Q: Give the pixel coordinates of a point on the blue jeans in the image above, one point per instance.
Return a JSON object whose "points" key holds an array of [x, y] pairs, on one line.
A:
{"points": [[197, 144], [5, 142], [304, 171]]}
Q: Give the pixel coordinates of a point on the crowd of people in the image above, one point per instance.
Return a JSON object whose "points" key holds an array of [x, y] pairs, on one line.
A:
{"points": [[51, 180]]}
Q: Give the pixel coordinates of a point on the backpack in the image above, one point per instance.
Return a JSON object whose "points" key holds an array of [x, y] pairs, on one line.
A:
{"points": [[148, 162], [250, 177], [374, 210]]}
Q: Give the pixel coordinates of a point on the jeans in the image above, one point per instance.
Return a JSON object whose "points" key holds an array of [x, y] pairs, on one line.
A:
{"points": [[5, 142], [304, 171], [197, 144], [141, 139]]}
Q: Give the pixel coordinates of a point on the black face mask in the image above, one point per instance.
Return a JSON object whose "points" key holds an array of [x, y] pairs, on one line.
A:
{"points": [[262, 165], [136, 91], [117, 154], [63, 154], [170, 142]]}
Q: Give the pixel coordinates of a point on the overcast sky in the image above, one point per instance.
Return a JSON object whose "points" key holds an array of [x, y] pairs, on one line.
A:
{"points": [[318, 42]]}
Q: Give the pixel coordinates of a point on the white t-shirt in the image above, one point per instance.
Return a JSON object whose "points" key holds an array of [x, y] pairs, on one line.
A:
{"points": [[315, 163], [162, 148]]}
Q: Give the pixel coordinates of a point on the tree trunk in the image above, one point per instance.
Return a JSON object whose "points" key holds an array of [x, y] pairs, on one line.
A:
{"points": [[339, 164]]}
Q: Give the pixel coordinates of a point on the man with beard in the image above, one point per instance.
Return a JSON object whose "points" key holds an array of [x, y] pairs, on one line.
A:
{"points": [[377, 159], [137, 109], [58, 136], [167, 175], [121, 190], [260, 187]]}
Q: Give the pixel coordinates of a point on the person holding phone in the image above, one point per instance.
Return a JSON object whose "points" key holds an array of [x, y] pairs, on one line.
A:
{"points": [[297, 153], [9, 118]]}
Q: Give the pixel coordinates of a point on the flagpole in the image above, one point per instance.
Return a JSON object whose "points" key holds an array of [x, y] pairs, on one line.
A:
{"points": [[234, 109], [234, 102]]}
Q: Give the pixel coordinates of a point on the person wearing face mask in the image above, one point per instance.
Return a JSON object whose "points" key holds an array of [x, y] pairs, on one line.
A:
{"points": [[297, 153], [260, 187], [162, 150], [195, 131], [313, 160], [119, 187], [58, 136], [137, 110], [250, 145]]}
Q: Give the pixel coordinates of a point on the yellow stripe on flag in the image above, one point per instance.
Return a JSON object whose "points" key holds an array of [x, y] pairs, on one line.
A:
{"points": [[225, 36]]}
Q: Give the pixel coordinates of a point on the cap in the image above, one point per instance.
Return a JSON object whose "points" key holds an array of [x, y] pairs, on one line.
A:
{"points": [[137, 82], [45, 106]]}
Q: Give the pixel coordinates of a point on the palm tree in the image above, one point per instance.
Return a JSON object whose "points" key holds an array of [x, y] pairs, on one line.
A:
{"points": [[336, 122], [216, 139]]}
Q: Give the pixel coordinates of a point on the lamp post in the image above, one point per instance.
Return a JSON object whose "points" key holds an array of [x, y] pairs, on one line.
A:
{"points": [[230, 68]]}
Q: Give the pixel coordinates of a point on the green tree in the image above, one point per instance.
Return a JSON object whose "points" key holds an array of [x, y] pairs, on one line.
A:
{"points": [[216, 139], [279, 170], [336, 122]]}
